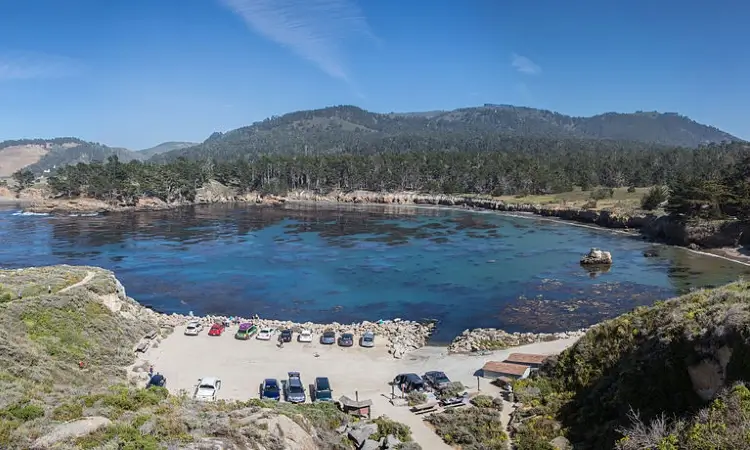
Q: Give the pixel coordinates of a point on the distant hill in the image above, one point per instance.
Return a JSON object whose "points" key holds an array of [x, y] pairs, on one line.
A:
{"points": [[20, 153], [75, 152], [349, 129], [164, 147]]}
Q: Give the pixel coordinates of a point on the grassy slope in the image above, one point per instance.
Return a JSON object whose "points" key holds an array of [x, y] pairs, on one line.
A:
{"points": [[43, 337], [639, 360]]}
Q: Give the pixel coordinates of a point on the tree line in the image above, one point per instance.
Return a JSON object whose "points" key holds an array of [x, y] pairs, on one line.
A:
{"points": [[708, 182]]}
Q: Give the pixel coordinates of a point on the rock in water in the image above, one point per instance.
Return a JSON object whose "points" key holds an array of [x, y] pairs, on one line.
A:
{"points": [[596, 256]]}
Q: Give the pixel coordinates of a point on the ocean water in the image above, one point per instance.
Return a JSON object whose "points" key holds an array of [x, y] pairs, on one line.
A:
{"points": [[464, 269]]}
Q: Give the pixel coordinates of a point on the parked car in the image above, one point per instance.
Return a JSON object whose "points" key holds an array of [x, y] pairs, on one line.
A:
{"points": [[294, 391], [157, 380], [286, 335], [321, 390], [246, 330], [265, 334], [207, 389], [193, 328], [346, 340], [438, 380], [409, 382], [216, 329], [269, 389], [328, 337], [305, 335], [367, 339]]}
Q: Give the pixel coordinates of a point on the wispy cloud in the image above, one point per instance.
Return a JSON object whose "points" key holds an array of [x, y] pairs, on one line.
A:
{"points": [[28, 66], [525, 65], [314, 29]]}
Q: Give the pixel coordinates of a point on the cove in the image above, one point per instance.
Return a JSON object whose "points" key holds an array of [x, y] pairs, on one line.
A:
{"points": [[346, 263]]}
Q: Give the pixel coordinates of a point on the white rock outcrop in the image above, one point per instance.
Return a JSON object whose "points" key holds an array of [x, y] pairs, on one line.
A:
{"points": [[597, 257]]}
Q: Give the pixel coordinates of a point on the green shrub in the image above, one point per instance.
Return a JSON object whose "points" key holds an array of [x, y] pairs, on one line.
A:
{"points": [[387, 426], [471, 428], [631, 189], [654, 197], [416, 398], [130, 399], [68, 411], [602, 193], [483, 401], [22, 411]]}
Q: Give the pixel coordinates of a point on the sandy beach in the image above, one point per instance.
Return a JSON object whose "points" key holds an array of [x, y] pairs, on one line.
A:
{"points": [[242, 366]]}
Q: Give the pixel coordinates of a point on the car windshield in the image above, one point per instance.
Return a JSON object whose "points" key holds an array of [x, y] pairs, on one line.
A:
{"points": [[206, 386], [347, 336], [272, 388], [367, 338], [329, 334], [191, 326], [295, 389]]}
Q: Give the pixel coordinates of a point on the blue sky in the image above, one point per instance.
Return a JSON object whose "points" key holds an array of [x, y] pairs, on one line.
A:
{"points": [[138, 72]]}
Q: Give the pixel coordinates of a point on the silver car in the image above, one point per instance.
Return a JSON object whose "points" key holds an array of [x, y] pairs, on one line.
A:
{"points": [[367, 339]]}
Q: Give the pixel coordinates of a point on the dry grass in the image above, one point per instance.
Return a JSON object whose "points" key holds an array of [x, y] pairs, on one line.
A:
{"points": [[621, 199]]}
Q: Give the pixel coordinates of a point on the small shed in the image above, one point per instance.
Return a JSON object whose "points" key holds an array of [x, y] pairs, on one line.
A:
{"points": [[496, 369], [527, 359], [360, 408]]}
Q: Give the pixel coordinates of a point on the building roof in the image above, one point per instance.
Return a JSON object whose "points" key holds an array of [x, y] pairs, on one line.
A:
{"points": [[525, 358], [506, 368]]}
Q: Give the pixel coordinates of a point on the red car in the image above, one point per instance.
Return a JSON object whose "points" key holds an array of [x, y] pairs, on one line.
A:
{"points": [[216, 329]]}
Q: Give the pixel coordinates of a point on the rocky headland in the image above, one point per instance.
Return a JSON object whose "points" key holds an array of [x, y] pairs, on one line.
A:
{"points": [[661, 228]]}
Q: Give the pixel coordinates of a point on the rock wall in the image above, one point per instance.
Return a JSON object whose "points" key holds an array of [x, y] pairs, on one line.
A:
{"points": [[401, 336], [480, 339]]}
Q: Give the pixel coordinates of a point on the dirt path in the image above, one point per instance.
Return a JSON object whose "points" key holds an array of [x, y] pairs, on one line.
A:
{"points": [[89, 276]]}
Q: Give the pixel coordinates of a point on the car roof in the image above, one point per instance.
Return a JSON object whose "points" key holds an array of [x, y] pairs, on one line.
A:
{"points": [[209, 380], [287, 330], [435, 373], [347, 335], [411, 376], [271, 381]]}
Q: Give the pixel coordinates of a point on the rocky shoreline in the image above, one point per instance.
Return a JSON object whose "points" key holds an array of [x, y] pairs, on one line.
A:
{"points": [[699, 235], [488, 339], [402, 336]]}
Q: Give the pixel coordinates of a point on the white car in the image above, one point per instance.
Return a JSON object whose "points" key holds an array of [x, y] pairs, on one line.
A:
{"points": [[193, 328], [207, 389], [305, 335], [265, 334]]}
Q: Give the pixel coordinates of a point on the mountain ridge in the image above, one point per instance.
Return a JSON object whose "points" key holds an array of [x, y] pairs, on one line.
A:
{"points": [[350, 129]]}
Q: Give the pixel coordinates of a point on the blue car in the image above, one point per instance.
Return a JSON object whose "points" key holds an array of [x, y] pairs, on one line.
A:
{"points": [[270, 390]]}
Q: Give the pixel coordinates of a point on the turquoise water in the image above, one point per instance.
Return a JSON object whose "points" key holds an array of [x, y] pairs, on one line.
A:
{"points": [[465, 269]]}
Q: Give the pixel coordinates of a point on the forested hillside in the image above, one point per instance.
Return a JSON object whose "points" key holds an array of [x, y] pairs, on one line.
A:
{"points": [[348, 129]]}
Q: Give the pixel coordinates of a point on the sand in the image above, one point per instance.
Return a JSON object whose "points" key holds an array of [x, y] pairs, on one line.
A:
{"points": [[242, 366]]}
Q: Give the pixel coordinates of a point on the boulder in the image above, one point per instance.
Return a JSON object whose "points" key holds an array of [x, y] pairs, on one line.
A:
{"points": [[70, 430], [560, 443], [597, 257], [362, 433], [370, 445]]}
